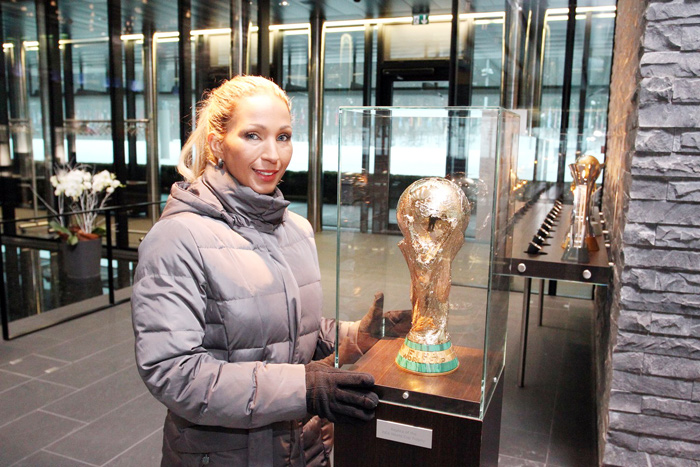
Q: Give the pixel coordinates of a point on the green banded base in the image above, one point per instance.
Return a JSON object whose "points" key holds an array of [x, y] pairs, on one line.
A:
{"points": [[429, 360]]}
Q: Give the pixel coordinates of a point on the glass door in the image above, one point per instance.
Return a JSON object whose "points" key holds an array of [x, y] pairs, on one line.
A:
{"points": [[406, 84]]}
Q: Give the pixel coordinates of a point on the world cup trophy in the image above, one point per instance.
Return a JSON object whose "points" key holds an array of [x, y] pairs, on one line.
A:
{"points": [[580, 239], [433, 214]]}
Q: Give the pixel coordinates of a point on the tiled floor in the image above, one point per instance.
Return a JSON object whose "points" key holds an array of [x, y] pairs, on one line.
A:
{"points": [[70, 395]]}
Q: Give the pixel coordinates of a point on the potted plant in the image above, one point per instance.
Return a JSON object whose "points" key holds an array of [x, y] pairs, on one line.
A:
{"points": [[83, 193]]}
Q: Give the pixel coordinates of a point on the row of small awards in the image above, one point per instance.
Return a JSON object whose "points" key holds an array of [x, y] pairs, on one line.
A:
{"points": [[543, 233]]}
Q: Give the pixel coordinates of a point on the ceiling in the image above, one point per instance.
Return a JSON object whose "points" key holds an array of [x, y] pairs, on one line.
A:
{"points": [[87, 19], [82, 19]]}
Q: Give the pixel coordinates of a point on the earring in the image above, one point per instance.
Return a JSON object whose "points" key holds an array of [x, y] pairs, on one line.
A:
{"points": [[220, 163]]}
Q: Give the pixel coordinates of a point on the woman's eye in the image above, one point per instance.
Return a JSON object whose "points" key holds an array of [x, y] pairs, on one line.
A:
{"points": [[284, 137], [252, 136]]}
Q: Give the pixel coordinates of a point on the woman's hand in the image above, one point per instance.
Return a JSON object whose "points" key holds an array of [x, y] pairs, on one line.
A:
{"points": [[339, 396], [377, 324]]}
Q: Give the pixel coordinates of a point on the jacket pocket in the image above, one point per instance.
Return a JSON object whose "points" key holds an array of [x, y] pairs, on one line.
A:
{"points": [[187, 437]]}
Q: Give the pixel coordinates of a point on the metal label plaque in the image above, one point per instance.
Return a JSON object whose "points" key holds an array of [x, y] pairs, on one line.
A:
{"points": [[407, 434]]}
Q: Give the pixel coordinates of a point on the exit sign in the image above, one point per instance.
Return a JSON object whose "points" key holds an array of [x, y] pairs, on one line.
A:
{"points": [[420, 18]]}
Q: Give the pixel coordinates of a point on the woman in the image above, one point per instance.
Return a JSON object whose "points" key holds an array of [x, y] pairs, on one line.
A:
{"points": [[227, 299]]}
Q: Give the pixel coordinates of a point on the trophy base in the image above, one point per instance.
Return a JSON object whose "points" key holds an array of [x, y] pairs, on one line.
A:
{"points": [[578, 255], [592, 243], [427, 360]]}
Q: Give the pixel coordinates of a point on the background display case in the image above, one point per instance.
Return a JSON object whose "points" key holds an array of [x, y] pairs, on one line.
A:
{"points": [[452, 419]]}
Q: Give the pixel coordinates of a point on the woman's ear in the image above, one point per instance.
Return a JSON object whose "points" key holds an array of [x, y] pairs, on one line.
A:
{"points": [[214, 144]]}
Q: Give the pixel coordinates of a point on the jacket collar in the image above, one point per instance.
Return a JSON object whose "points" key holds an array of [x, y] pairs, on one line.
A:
{"points": [[218, 194]]}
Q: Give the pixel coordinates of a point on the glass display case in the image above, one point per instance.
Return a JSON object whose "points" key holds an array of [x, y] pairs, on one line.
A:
{"points": [[382, 152]]}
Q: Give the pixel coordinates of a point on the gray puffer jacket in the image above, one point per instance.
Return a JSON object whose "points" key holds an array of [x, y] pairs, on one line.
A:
{"points": [[226, 310]]}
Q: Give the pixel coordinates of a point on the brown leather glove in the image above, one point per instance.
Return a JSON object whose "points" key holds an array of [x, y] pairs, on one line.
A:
{"points": [[370, 330], [339, 396], [395, 323]]}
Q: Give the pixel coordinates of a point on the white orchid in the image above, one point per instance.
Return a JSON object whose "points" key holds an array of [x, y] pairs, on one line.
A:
{"points": [[85, 192]]}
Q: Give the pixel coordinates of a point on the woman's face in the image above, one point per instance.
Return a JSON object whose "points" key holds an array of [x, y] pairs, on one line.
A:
{"points": [[258, 146]]}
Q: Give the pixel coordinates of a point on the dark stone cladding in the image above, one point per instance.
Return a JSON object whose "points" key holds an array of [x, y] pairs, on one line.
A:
{"points": [[648, 333]]}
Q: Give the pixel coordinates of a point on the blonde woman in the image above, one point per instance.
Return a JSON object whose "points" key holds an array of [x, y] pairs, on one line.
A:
{"points": [[227, 300]]}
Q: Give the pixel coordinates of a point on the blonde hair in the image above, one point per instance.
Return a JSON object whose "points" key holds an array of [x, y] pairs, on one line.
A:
{"points": [[214, 115]]}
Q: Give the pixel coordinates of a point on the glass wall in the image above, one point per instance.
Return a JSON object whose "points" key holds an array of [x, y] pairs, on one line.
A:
{"points": [[589, 93], [151, 63], [59, 86]]}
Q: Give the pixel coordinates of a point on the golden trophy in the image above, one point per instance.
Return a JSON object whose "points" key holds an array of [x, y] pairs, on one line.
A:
{"points": [[580, 239], [432, 214]]}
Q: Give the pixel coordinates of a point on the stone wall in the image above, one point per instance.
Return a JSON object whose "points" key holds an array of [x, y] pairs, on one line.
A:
{"points": [[649, 327]]}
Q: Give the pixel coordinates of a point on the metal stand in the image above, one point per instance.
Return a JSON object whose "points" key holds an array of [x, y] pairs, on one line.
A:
{"points": [[523, 331]]}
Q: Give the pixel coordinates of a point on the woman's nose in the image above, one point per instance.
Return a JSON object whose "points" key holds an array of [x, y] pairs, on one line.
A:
{"points": [[270, 151]]}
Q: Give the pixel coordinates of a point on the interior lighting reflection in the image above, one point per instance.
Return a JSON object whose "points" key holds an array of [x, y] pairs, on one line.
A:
{"points": [[131, 37], [496, 17], [287, 27], [561, 14], [348, 29], [578, 17], [159, 35], [581, 9], [490, 21], [204, 32]]}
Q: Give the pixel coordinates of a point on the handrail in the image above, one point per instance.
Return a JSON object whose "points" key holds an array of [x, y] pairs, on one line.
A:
{"points": [[46, 243], [106, 208]]}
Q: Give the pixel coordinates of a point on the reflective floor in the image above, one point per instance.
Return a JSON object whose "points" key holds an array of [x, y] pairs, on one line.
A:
{"points": [[70, 394]]}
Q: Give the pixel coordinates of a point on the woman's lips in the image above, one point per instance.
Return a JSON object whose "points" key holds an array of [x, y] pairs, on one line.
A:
{"points": [[266, 175]]}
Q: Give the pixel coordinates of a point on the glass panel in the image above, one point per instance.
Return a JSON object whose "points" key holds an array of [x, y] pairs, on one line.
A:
{"points": [[486, 78], [295, 53], [168, 101], [384, 150], [85, 67], [406, 41], [506, 148], [344, 80], [593, 41], [423, 93], [42, 285], [24, 106]]}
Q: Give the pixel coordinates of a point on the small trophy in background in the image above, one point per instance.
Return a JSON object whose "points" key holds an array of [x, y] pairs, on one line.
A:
{"points": [[581, 239], [433, 214]]}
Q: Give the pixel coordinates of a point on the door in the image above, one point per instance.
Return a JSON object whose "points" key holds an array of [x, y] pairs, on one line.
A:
{"points": [[400, 84]]}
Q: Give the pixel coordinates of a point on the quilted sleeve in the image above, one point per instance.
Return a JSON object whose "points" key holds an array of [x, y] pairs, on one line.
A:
{"points": [[168, 306]]}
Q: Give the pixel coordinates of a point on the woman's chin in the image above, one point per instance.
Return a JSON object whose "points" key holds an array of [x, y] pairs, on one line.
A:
{"points": [[263, 188]]}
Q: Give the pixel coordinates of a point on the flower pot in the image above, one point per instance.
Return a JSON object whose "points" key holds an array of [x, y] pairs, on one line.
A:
{"points": [[82, 260]]}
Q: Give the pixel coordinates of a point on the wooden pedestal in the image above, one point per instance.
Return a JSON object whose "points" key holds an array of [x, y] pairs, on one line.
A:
{"points": [[428, 402]]}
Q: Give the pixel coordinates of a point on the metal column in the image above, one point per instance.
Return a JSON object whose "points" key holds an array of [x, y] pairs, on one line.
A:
{"points": [[151, 109], [20, 125], [240, 25], [5, 159], [566, 88], [69, 100], [511, 65], [316, 53], [50, 89], [116, 99], [184, 48], [366, 127], [130, 75], [264, 37], [523, 331], [584, 83]]}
